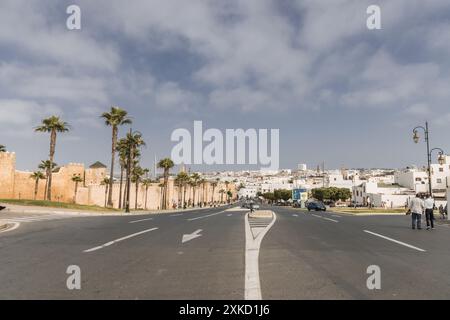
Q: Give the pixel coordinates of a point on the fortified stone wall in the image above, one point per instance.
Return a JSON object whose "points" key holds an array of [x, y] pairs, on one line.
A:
{"points": [[19, 185], [7, 174]]}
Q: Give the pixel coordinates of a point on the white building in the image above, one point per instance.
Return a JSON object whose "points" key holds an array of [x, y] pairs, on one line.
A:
{"points": [[381, 195]]}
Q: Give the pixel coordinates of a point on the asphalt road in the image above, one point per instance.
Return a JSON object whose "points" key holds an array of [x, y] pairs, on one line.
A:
{"points": [[302, 256]]}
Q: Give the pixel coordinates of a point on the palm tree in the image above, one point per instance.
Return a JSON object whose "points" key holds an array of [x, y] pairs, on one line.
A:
{"points": [[37, 175], [229, 195], [213, 185], [133, 141], [105, 182], [77, 179], [2, 148], [221, 191], [195, 177], [182, 180], [226, 186], [146, 183], [165, 164], [202, 182], [137, 174], [46, 165], [53, 125], [115, 118], [123, 155]]}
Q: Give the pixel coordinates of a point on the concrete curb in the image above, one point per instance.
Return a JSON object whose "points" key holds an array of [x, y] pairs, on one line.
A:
{"points": [[100, 213]]}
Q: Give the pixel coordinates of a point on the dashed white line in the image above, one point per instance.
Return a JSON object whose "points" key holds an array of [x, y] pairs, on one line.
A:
{"points": [[330, 219], [295, 215], [118, 240], [209, 215], [176, 215], [396, 241], [315, 215], [140, 220]]}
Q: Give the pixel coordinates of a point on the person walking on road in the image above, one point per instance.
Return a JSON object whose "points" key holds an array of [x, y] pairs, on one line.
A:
{"points": [[429, 211], [417, 207]]}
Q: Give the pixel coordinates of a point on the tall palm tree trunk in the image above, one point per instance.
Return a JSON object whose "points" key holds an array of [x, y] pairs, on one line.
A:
{"points": [[36, 186], [46, 186], [106, 194], [193, 196], [121, 185], [113, 153], [51, 157], [166, 189], [136, 198]]}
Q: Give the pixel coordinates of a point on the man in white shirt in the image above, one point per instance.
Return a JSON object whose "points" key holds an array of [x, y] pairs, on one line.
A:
{"points": [[416, 205], [429, 211]]}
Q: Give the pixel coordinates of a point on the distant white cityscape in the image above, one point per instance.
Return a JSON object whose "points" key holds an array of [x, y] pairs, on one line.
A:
{"points": [[389, 188]]}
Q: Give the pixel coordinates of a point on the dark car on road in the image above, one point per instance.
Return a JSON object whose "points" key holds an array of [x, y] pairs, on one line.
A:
{"points": [[316, 206]]}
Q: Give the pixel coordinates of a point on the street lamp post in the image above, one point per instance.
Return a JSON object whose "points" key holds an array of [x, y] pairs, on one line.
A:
{"points": [[441, 159], [127, 200]]}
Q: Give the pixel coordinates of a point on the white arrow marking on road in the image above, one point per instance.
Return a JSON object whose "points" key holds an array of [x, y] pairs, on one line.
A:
{"points": [[193, 235]]}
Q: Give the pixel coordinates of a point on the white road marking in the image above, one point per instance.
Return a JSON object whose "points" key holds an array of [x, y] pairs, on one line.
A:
{"points": [[15, 226], [396, 241], [330, 219], [120, 239], [176, 215], [140, 220], [209, 215], [193, 235], [320, 217], [252, 245], [229, 215], [295, 215], [336, 216]]}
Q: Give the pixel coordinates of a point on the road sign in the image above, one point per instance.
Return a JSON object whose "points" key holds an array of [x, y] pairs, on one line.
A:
{"points": [[299, 194]]}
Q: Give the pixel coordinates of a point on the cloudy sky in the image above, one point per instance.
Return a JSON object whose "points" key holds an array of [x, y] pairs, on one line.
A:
{"points": [[338, 92]]}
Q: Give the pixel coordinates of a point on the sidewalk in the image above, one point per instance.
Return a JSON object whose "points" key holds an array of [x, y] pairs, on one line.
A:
{"points": [[50, 210]]}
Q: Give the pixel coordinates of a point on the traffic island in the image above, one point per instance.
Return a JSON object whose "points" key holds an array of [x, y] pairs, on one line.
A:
{"points": [[261, 214]]}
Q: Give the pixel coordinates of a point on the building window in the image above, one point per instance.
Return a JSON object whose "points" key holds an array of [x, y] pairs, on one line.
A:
{"points": [[418, 179], [441, 169], [439, 180]]}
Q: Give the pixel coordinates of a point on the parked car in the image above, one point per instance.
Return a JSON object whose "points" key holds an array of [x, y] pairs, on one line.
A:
{"points": [[316, 206]]}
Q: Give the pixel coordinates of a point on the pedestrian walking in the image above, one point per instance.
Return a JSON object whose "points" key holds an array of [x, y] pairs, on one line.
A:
{"points": [[416, 207], [429, 212]]}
